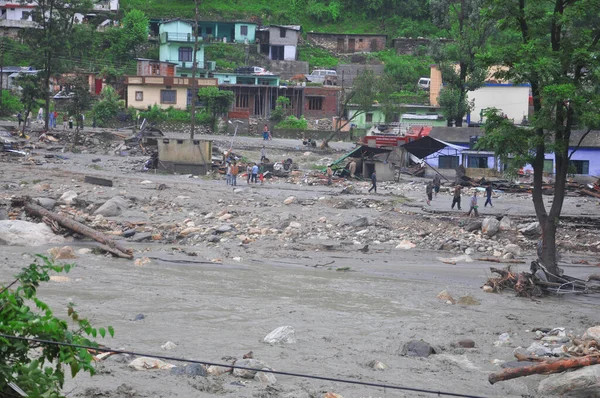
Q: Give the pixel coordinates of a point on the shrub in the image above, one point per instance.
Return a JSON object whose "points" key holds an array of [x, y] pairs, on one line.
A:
{"points": [[292, 122]]}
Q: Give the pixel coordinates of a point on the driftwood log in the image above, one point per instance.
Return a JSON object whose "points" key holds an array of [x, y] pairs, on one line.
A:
{"points": [[544, 368], [108, 244]]}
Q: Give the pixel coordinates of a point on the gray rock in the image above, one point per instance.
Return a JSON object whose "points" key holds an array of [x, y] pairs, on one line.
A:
{"points": [[3, 214], [490, 226], [515, 250], [129, 233], [214, 239], [112, 207], [139, 317], [592, 333], [265, 377], [538, 349], [506, 224], [466, 343], [283, 334], [221, 229], [532, 230], [473, 226], [141, 237], [46, 203], [580, 383], [417, 348], [249, 363], [24, 233], [359, 222]]}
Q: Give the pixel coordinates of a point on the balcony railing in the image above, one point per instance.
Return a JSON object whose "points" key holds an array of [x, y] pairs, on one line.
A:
{"points": [[166, 37]]}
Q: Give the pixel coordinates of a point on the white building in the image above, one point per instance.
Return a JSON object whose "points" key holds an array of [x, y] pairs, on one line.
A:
{"points": [[17, 10], [510, 99]]}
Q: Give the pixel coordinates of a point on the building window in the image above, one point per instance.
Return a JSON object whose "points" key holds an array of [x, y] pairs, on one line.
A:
{"points": [[139, 95], [369, 118], [25, 16], [155, 69], [579, 167], [185, 54], [241, 101], [209, 31], [244, 30], [315, 103], [478, 162], [281, 32], [168, 96], [448, 162]]}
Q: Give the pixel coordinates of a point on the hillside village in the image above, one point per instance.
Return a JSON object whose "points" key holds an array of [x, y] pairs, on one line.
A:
{"points": [[250, 206]]}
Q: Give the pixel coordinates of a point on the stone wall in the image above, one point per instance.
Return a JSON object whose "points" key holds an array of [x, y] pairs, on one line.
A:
{"points": [[413, 46], [344, 44], [286, 69]]}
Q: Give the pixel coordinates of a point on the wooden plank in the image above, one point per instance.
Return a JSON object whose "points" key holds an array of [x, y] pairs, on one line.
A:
{"points": [[98, 181]]}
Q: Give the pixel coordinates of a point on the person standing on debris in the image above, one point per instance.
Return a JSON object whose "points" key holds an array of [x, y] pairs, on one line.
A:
{"points": [[20, 118], [474, 206], [71, 122], [374, 182], [248, 173], [261, 174], [266, 133], [40, 117], [254, 173], [437, 182], [352, 168], [51, 120], [234, 173], [55, 118], [429, 192], [263, 153], [65, 121], [456, 198], [228, 173], [488, 195], [330, 175]]}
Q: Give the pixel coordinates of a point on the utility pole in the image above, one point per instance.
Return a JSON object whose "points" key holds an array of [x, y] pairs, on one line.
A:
{"points": [[194, 68], [1, 74]]}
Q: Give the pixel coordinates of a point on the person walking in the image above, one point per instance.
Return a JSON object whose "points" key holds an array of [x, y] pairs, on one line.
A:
{"points": [[51, 120], [228, 173], [374, 182], [254, 173], [488, 195], [473, 208], [437, 182], [263, 153], [55, 118], [20, 118], [248, 173], [40, 116], [329, 173], [429, 192], [234, 173], [456, 198]]}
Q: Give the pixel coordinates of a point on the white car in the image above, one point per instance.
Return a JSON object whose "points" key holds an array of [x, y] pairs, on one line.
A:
{"points": [[319, 75]]}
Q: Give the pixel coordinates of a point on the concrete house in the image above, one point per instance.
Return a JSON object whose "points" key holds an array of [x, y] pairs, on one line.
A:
{"points": [[348, 43], [511, 99], [279, 42], [228, 32], [177, 46], [408, 115], [156, 83], [106, 5]]}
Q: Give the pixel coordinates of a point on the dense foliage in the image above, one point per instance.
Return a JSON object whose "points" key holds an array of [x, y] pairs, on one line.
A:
{"points": [[39, 368]]}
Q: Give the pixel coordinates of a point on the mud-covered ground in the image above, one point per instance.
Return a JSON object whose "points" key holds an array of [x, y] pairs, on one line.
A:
{"points": [[301, 265]]}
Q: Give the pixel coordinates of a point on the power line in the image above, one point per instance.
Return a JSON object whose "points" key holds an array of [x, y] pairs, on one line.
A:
{"points": [[168, 358]]}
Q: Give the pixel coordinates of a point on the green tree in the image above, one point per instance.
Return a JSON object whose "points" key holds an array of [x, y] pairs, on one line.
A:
{"points": [[39, 368], [458, 59], [217, 102], [281, 109], [31, 87], [108, 106], [126, 41], [55, 20], [555, 49]]}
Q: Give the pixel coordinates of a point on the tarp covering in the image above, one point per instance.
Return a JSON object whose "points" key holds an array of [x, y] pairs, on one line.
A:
{"points": [[427, 145]]}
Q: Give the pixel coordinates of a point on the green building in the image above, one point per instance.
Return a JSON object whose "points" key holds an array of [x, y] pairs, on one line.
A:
{"points": [[424, 115]]}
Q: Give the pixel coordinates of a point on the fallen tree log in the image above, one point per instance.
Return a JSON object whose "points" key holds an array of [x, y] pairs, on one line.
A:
{"points": [[544, 368], [108, 244], [502, 261]]}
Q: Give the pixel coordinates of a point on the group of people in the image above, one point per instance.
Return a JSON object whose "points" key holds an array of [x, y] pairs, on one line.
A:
{"points": [[53, 116], [434, 187]]}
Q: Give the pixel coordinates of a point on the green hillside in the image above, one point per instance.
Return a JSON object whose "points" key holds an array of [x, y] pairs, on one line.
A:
{"points": [[396, 18]]}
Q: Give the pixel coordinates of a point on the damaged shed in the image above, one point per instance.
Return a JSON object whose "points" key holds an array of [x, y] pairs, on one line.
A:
{"points": [[383, 161]]}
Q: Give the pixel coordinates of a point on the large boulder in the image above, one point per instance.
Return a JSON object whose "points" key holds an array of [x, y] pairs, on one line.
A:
{"points": [[359, 222], [505, 224], [490, 226], [249, 363], [68, 197], [513, 249], [417, 348], [580, 383], [532, 230], [24, 233], [112, 207], [592, 333], [473, 226], [46, 203], [283, 334]]}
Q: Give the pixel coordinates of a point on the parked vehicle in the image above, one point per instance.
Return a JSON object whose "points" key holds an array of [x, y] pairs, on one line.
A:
{"points": [[320, 75], [424, 83]]}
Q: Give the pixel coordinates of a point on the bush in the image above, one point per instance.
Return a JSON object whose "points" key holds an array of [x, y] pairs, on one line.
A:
{"points": [[281, 110], [11, 104], [108, 107], [38, 368], [292, 122]]}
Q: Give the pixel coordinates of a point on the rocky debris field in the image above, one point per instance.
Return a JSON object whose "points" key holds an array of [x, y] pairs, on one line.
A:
{"points": [[292, 275]]}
